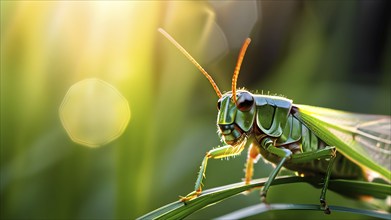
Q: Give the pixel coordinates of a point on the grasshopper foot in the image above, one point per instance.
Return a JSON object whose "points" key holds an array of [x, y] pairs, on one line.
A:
{"points": [[247, 182], [190, 196], [263, 200], [325, 207], [263, 197]]}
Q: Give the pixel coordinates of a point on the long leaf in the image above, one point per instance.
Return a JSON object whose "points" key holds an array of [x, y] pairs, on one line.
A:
{"points": [[179, 210], [261, 208]]}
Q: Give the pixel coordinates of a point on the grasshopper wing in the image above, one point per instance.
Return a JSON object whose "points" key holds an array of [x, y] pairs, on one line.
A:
{"points": [[364, 139]]}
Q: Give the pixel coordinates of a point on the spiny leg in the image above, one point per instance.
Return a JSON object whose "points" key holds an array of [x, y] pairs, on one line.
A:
{"points": [[323, 203], [217, 153], [325, 153], [284, 154]]}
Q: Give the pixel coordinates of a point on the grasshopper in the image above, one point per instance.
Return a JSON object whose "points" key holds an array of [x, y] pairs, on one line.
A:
{"points": [[312, 141]]}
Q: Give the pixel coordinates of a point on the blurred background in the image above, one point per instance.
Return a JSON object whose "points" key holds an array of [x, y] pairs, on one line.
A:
{"points": [[332, 54]]}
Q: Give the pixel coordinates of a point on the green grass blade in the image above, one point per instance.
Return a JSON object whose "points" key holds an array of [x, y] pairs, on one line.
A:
{"points": [[261, 208], [360, 188], [178, 210]]}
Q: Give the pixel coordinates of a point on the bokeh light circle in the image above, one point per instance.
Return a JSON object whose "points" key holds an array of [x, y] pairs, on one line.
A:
{"points": [[94, 113]]}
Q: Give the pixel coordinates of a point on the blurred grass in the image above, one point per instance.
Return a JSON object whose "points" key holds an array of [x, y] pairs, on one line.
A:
{"points": [[336, 58]]}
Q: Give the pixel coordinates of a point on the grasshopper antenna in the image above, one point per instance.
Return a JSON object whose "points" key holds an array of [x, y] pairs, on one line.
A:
{"points": [[237, 68], [173, 41]]}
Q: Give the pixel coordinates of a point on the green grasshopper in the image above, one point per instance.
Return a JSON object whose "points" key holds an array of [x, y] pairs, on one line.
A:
{"points": [[312, 141]]}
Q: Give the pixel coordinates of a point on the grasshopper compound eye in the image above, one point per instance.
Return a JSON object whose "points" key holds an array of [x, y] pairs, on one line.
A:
{"points": [[245, 101]]}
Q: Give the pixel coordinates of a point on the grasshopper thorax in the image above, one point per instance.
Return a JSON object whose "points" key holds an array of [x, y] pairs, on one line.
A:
{"points": [[235, 119]]}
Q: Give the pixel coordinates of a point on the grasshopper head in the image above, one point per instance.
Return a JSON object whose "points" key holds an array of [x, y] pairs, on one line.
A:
{"points": [[235, 119]]}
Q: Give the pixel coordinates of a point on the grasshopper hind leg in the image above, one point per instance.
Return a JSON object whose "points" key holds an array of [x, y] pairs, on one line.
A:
{"points": [[327, 153], [323, 203]]}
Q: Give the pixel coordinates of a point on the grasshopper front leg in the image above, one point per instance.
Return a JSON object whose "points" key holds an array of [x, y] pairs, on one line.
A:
{"points": [[217, 153]]}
